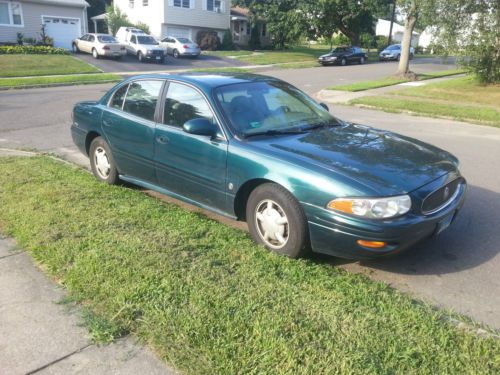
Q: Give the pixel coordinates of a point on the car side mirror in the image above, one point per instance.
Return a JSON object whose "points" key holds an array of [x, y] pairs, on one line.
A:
{"points": [[324, 106], [199, 126]]}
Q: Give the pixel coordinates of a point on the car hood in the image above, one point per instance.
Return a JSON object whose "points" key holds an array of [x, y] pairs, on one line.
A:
{"points": [[390, 51], [334, 54], [385, 163]]}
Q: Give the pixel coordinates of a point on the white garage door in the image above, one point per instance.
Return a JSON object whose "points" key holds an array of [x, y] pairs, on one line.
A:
{"points": [[179, 32], [62, 30]]}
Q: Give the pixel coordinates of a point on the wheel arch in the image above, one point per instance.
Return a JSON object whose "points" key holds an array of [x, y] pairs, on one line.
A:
{"points": [[89, 138]]}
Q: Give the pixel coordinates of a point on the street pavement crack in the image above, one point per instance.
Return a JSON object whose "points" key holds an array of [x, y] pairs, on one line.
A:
{"points": [[58, 360]]}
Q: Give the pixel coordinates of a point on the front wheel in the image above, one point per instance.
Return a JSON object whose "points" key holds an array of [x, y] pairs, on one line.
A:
{"points": [[398, 57], [74, 48], [362, 60], [140, 57], [277, 221], [102, 163], [412, 56], [343, 62]]}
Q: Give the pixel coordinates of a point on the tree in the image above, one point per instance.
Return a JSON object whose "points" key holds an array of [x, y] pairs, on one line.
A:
{"points": [[116, 19], [471, 31]]}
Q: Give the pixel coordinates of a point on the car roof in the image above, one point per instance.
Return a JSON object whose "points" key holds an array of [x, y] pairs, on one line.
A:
{"points": [[208, 81]]}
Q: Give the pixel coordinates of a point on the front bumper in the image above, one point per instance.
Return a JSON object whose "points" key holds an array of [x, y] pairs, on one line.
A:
{"points": [[155, 56], [336, 234], [328, 62], [387, 57]]}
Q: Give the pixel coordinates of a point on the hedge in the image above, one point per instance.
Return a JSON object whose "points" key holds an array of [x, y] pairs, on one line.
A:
{"points": [[32, 50]]}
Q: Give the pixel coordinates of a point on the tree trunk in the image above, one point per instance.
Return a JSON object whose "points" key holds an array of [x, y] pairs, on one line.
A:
{"points": [[404, 61]]}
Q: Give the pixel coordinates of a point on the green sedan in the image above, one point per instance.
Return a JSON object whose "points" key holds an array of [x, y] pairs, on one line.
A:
{"points": [[257, 149]]}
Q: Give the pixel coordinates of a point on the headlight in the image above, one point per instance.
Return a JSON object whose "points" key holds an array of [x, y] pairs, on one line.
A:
{"points": [[332, 58], [372, 208], [149, 52]]}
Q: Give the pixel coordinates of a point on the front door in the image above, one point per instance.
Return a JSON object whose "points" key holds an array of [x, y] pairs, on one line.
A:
{"points": [[192, 166], [129, 126]]}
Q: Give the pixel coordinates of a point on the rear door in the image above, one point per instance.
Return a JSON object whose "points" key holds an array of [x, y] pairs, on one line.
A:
{"points": [[129, 126], [192, 166]]}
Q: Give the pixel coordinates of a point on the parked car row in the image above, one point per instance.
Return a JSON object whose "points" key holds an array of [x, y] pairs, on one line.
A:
{"points": [[135, 42], [345, 55]]}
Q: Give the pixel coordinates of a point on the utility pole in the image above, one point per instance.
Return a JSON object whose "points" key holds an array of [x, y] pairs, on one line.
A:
{"points": [[393, 2]]}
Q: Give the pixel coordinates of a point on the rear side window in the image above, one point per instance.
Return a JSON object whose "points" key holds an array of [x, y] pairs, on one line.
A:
{"points": [[183, 103], [117, 100], [142, 97], [91, 38]]}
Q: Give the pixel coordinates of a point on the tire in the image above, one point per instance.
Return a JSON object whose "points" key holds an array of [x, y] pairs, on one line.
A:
{"points": [[99, 149], [140, 56], [412, 56], [398, 57], [95, 55], [343, 62], [74, 48], [275, 203], [362, 60], [175, 53]]}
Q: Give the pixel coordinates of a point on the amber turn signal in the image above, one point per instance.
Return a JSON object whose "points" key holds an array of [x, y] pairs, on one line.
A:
{"points": [[372, 244]]}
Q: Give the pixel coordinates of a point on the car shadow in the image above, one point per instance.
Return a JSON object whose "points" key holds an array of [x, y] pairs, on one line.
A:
{"points": [[473, 239]]}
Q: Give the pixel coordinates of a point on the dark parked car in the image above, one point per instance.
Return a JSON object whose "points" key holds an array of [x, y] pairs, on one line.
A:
{"points": [[343, 56], [255, 148]]}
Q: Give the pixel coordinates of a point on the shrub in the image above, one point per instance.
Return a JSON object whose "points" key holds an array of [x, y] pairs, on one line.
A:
{"points": [[208, 40], [142, 26], [20, 37], [227, 41], [381, 42], [29, 41], [32, 50], [340, 40], [367, 41]]}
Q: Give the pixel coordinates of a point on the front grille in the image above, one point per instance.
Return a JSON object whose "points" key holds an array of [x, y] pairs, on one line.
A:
{"points": [[157, 52], [441, 197]]}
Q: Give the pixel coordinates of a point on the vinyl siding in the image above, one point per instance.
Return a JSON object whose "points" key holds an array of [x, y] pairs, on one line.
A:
{"points": [[151, 15], [198, 17], [32, 18]]}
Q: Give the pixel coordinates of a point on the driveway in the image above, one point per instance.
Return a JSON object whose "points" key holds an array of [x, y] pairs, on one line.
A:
{"points": [[131, 64], [457, 270]]}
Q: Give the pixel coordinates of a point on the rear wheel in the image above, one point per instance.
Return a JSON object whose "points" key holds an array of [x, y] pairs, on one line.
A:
{"points": [[362, 60], [102, 163], [412, 56], [398, 57], [176, 54], [95, 55], [343, 62], [277, 221]]}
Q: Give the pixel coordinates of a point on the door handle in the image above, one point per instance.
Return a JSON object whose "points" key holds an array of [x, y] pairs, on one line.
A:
{"points": [[162, 139], [107, 123]]}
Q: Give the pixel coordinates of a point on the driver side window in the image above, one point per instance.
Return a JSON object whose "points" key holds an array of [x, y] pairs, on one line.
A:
{"points": [[183, 103]]}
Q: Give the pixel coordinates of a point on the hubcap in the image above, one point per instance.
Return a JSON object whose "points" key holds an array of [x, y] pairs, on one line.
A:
{"points": [[272, 224], [102, 164]]}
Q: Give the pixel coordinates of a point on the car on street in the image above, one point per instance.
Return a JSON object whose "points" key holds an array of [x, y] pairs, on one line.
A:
{"points": [[393, 52], [139, 44], [178, 47], [343, 56], [99, 45], [257, 149]]}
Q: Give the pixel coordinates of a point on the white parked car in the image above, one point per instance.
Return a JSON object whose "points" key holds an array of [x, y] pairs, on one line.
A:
{"points": [[138, 43], [99, 45], [180, 47], [393, 52]]}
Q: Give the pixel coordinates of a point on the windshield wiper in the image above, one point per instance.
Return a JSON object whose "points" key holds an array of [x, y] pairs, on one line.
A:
{"points": [[275, 132], [325, 124]]}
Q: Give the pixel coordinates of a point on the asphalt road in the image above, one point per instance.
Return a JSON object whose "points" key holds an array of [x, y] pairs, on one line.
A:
{"points": [[457, 270], [131, 64]]}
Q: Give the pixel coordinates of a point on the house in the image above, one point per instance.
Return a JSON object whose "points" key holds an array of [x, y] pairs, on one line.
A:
{"points": [[242, 29], [178, 18], [64, 20], [383, 27]]}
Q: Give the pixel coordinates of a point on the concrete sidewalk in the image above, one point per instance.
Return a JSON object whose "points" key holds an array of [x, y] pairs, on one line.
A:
{"points": [[40, 336]]}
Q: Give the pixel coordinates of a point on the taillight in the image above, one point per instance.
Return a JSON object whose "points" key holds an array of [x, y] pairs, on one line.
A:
{"points": [[106, 48], [185, 46]]}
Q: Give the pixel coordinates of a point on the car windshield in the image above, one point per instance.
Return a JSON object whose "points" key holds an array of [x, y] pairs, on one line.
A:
{"points": [[393, 47], [184, 40], [146, 40], [270, 108], [340, 49], [106, 39]]}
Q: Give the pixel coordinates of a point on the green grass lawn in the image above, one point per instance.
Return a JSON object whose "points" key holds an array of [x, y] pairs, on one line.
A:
{"points": [[207, 299], [460, 98], [58, 80], [39, 65], [391, 81]]}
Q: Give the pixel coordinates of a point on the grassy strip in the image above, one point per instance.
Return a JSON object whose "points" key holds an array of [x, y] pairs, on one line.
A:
{"points": [[221, 70], [485, 115], [228, 53], [391, 81], [70, 79], [207, 298], [40, 65]]}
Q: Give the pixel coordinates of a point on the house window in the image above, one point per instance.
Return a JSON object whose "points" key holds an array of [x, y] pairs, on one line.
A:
{"points": [[264, 29], [130, 3], [214, 5], [11, 13], [145, 3], [182, 3]]}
